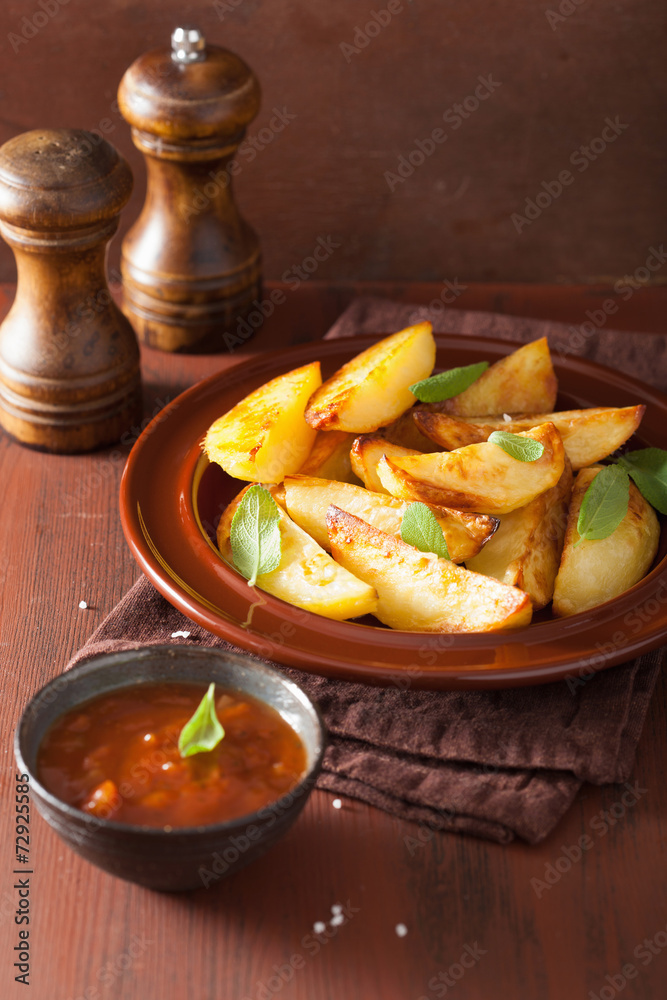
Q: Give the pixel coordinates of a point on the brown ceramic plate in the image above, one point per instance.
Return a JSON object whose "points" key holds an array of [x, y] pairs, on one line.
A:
{"points": [[170, 501]]}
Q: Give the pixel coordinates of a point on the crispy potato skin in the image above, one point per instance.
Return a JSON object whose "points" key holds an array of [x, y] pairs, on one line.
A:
{"points": [[407, 433], [308, 500], [595, 571], [416, 590], [522, 382], [588, 435], [372, 390], [480, 477], [525, 551], [366, 452], [265, 436], [330, 457], [307, 576]]}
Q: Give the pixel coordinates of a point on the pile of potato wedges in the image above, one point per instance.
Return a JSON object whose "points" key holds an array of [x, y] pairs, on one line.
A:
{"points": [[344, 459]]}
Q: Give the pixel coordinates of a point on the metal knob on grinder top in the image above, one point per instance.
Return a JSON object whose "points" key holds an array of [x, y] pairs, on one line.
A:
{"points": [[190, 264]]}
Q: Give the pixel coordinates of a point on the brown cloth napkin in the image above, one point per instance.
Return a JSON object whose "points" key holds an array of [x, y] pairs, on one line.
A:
{"points": [[495, 764]]}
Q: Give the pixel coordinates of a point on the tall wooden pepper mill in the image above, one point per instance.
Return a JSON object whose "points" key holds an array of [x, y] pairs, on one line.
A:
{"points": [[69, 360], [190, 264]]}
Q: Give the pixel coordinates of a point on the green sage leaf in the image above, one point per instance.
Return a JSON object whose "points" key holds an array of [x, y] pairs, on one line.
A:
{"points": [[203, 731], [420, 528], [605, 504], [523, 449], [648, 468], [444, 385], [255, 534]]}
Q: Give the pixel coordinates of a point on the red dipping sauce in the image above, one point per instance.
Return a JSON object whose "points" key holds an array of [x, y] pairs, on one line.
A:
{"points": [[116, 757]]}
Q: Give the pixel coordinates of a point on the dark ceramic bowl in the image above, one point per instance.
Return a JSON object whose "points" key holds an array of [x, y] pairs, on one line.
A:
{"points": [[185, 857]]}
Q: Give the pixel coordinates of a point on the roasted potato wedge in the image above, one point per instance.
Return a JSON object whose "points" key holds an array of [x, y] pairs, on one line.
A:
{"points": [[593, 571], [371, 390], [480, 477], [522, 382], [265, 437], [525, 551], [307, 575], [365, 454], [307, 501], [330, 457], [588, 435], [417, 591], [406, 432]]}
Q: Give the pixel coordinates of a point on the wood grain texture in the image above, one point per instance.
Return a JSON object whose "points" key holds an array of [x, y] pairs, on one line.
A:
{"points": [[357, 113], [99, 938]]}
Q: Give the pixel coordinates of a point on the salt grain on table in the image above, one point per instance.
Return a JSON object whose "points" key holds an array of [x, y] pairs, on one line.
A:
{"points": [[319, 927], [337, 804], [83, 605], [401, 930]]}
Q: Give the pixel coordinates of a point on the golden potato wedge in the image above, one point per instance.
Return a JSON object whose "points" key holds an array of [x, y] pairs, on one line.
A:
{"points": [[417, 591], [480, 477], [371, 390], [307, 575], [525, 551], [365, 454], [594, 571], [522, 382], [330, 457], [265, 436], [307, 501], [406, 433], [588, 435]]}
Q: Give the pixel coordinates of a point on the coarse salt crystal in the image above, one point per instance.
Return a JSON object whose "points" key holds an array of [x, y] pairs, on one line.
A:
{"points": [[336, 909], [319, 927], [507, 418], [337, 804], [181, 635], [401, 930], [83, 605], [337, 920]]}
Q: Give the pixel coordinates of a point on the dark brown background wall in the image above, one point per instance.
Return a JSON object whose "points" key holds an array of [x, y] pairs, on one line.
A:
{"points": [[356, 112]]}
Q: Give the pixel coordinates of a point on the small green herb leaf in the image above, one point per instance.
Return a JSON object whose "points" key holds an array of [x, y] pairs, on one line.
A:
{"points": [[255, 534], [203, 731], [648, 468], [420, 528], [447, 384], [605, 504], [524, 449]]}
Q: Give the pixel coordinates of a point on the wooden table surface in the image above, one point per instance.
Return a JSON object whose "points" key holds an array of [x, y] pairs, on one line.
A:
{"points": [[468, 904]]}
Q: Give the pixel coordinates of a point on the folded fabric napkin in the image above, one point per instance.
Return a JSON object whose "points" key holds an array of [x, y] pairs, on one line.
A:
{"points": [[496, 764]]}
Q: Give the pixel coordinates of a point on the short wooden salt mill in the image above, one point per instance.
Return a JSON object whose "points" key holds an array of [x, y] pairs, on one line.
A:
{"points": [[69, 360], [190, 264]]}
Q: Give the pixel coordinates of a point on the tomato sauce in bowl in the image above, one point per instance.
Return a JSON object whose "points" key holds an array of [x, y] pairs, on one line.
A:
{"points": [[116, 757]]}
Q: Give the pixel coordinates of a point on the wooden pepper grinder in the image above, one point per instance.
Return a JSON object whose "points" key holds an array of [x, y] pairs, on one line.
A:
{"points": [[69, 360], [190, 264]]}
